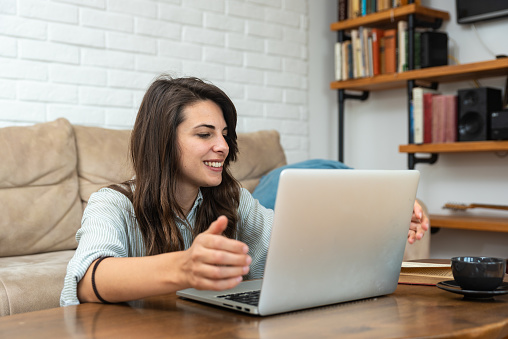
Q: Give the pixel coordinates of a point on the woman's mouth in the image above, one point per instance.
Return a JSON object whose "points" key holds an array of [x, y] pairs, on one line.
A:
{"points": [[215, 164]]}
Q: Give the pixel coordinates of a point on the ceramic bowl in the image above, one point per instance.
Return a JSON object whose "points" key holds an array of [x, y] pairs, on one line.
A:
{"points": [[478, 273]]}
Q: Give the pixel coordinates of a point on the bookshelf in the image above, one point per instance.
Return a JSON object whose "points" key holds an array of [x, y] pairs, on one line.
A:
{"points": [[456, 147], [441, 74], [387, 18], [417, 15], [473, 223]]}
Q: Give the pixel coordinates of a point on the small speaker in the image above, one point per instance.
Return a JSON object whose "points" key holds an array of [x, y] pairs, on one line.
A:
{"points": [[434, 49], [499, 125], [474, 108]]}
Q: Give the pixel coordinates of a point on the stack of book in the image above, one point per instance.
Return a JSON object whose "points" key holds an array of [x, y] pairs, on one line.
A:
{"points": [[350, 9], [369, 52], [433, 117]]}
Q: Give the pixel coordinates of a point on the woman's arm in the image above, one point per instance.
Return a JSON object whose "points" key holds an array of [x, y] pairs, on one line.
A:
{"points": [[213, 262]]}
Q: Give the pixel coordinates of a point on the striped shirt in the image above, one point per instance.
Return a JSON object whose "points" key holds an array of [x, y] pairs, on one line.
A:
{"points": [[108, 228]]}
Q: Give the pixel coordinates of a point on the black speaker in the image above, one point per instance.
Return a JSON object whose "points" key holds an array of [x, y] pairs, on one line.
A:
{"points": [[433, 49], [499, 125], [474, 108]]}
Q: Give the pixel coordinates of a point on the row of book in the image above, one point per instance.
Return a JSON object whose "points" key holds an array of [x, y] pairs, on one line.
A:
{"points": [[350, 9], [433, 117], [367, 52], [373, 51]]}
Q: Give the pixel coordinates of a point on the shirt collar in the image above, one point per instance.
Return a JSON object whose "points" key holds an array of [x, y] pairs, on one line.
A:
{"points": [[192, 211], [198, 201]]}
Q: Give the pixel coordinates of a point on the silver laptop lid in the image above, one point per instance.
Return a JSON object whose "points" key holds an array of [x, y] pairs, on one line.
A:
{"points": [[338, 235]]}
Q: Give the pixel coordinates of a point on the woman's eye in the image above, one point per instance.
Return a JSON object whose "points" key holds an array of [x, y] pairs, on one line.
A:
{"points": [[204, 135]]}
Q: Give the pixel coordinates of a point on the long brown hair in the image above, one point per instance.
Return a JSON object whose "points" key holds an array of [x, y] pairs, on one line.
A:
{"points": [[155, 157]]}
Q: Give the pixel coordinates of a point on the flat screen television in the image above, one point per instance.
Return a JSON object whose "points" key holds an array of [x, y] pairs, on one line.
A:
{"points": [[471, 11]]}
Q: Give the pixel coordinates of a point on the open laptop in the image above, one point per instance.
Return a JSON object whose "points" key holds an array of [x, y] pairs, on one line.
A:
{"points": [[337, 236]]}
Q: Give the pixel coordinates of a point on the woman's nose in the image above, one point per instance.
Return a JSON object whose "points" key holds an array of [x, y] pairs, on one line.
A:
{"points": [[221, 145]]}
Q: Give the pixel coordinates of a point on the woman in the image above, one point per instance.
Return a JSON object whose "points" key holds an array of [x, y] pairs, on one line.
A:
{"points": [[163, 230]]}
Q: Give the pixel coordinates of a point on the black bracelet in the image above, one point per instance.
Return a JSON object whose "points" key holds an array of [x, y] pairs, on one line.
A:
{"points": [[93, 281]]}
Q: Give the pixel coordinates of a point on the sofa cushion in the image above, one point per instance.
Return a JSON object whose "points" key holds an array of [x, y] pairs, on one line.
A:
{"points": [[32, 282], [259, 153], [40, 209], [103, 158]]}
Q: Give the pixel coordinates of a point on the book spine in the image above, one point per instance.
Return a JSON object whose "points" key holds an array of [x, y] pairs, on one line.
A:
{"points": [[351, 74], [357, 53], [343, 10], [355, 9], [390, 50], [370, 56], [354, 37], [365, 51], [345, 60], [338, 61], [411, 123], [405, 65], [401, 45], [419, 103], [434, 121], [450, 118], [438, 119], [377, 34], [382, 55], [361, 52], [427, 118], [371, 6], [418, 115]]}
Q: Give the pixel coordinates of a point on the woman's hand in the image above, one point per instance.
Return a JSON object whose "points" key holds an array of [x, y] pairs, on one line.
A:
{"points": [[419, 224], [214, 262]]}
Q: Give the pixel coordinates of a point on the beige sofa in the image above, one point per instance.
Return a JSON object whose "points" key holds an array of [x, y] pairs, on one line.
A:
{"points": [[47, 173]]}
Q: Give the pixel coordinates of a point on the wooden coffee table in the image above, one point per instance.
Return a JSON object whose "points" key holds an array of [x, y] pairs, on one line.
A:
{"points": [[411, 311]]}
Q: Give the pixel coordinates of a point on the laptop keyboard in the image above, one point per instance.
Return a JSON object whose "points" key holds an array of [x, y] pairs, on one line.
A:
{"points": [[250, 297]]}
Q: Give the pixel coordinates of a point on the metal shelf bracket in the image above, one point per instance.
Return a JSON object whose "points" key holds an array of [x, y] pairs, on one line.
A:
{"points": [[413, 160], [362, 97], [342, 96]]}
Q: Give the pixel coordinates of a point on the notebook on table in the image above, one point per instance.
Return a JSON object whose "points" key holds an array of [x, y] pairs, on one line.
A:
{"points": [[337, 236]]}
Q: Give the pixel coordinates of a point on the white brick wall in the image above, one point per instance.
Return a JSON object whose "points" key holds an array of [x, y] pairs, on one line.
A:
{"points": [[91, 61]]}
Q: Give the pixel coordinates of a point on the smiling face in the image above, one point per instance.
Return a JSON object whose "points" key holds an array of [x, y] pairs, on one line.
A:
{"points": [[202, 144]]}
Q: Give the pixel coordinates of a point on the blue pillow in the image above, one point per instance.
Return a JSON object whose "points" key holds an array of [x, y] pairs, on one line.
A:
{"points": [[266, 190]]}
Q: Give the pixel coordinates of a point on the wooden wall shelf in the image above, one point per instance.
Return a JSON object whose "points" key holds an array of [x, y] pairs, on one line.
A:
{"points": [[475, 223], [390, 17], [419, 16], [441, 74], [456, 147]]}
